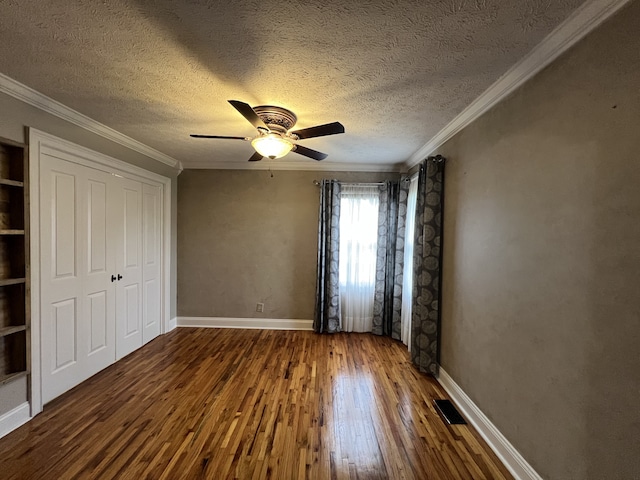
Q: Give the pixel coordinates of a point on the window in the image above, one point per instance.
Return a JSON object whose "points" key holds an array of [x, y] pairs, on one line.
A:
{"points": [[407, 277], [359, 207]]}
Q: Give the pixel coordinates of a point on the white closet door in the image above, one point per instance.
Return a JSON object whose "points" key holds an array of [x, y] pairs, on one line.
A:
{"points": [[100, 269], [129, 263], [77, 300], [151, 274], [99, 293]]}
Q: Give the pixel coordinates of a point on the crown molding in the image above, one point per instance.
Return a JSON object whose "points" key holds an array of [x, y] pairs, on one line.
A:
{"points": [[28, 95], [582, 21], [308, 165]]}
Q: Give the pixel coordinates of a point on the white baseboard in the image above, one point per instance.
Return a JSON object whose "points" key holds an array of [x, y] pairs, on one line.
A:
{"points": [[248, 323], [511, 458], [14, 419]]}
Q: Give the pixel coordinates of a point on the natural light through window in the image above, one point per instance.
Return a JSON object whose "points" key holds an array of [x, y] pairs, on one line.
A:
{"points": [[407, 277], [358, 247]]}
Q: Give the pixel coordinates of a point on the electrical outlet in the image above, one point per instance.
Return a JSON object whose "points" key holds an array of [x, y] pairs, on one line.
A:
{"points": [[260, 307]]}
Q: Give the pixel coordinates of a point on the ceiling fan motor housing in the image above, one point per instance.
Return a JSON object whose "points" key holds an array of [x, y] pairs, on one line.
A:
{"points": [[278, 119]]}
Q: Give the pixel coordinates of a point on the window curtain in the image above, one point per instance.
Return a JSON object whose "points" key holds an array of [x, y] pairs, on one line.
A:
{"points": [[390, 259], [327, 310], [407, 274], [427, 259], [359, 209]]}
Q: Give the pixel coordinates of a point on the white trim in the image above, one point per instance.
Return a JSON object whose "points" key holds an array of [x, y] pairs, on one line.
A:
{"points": [[14, 419], [52, 145], [34, 240], [40, 143], [246, 323], [28, 95], [298, 165], [173, 324], [515, 463], [582, 21], [166, 258]]}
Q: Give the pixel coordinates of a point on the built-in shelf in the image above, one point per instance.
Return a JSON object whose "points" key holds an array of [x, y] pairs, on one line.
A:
{"points": [[11, 183], [11, 281], [10, 330], [14, 262], [12, 376]]}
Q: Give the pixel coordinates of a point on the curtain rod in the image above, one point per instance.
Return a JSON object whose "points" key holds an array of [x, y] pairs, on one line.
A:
{"points": [[372, 184], [364, 184]]}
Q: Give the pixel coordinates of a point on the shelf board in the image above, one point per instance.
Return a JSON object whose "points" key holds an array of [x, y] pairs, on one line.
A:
{"points": [[13, 329], [10, 231], [12, 183], [12, 376], [11, 281]]}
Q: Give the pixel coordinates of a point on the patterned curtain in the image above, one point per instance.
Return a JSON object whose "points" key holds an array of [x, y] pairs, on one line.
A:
{"points": [[327, 311], [390, 258], [425, 317]]}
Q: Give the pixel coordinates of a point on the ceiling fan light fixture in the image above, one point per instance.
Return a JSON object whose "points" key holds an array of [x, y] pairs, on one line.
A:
{"points": [[272, 146]]}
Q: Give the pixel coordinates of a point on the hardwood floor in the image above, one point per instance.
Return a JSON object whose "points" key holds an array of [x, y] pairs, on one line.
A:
{"points": [[251, 404]]}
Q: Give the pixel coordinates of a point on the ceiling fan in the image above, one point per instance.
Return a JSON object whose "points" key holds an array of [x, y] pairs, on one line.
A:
{"points": [[274, 140]]}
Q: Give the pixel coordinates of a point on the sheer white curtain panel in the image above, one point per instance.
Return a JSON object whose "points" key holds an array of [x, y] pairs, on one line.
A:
{"points": [[407, 277], [359, 206]]}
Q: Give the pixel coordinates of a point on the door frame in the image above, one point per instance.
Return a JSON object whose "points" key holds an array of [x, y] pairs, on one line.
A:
{"points": [[39, 143]]}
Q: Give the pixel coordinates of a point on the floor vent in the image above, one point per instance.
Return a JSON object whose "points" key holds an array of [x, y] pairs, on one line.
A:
{"points": [[449, 413]]}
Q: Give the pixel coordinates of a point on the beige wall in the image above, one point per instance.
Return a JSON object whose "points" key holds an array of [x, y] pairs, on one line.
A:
{"points": [[14, 116], [541, 293], [245, 237]]}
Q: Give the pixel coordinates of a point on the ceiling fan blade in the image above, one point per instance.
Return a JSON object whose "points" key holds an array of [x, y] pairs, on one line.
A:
{"points": [[218, 136], [320, 130], [256, 157], [249, 113], [308, 152]]}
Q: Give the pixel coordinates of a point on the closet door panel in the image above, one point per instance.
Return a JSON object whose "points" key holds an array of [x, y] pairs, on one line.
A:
{"points": [[97, 231], [77, 257], [65, 335], [100, 269], [63, 224], [98, 318], [98, 297], [62, 330], [151, 246], [132, 310], [129, 267], [99, 292]]}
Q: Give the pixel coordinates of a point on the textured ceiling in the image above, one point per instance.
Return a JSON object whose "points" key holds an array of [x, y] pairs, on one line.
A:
{"points": [[393, 72]]}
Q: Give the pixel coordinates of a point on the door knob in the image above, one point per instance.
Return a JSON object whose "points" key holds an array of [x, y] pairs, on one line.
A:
{"points": [[119, 277], [113, 278]]}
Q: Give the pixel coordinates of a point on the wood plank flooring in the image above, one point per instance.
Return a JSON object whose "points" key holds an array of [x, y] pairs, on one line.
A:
{"points": [[251, 404]]}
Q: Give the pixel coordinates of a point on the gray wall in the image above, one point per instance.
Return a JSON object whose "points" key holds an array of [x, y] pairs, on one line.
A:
{"points": [[245, 237], [14, 116], [541, 294]]}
